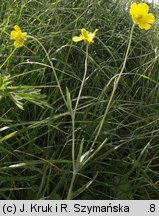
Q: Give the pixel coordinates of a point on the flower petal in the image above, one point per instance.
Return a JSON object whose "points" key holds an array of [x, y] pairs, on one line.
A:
{"points": [[77, 39], [17, 44], [14, 34], [92, 35], [95, 31], [17, 28], [145, 26], [84, 33], [133, 8], [150, 18], [143, 7], [24, 35]]}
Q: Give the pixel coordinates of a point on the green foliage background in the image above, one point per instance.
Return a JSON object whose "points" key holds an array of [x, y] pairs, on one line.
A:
{"points": [[35, 124]]}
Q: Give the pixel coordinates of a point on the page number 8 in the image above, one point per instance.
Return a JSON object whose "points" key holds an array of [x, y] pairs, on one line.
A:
{"points": [[152, 208]]}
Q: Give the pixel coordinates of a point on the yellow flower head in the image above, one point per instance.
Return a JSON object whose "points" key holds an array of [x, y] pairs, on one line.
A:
{"points": [[86, 36], [140, 15], [18, 36]]}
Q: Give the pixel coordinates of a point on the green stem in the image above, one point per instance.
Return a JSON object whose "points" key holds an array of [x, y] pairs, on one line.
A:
{"points": [[10, 55], [69, 197], [116, 82], [51, 64], [73, 127], [75, 109], [83, 80]]}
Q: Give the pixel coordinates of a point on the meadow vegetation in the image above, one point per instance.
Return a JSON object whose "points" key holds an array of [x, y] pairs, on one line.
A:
{"points": [[114, 156]]}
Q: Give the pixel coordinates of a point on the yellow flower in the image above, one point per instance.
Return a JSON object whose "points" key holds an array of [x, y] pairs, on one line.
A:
{"points": [[140, 15], [86, 36], [18, 36]]}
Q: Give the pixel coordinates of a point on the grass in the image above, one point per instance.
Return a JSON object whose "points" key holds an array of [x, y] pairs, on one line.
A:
{"points": [[55, 140]]}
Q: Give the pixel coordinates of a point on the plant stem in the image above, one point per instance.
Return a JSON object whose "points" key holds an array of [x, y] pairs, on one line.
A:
{"points": [[116, 82], [83, 80], [73, 127], [51, 64], [10, 55], [69, 196]]}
